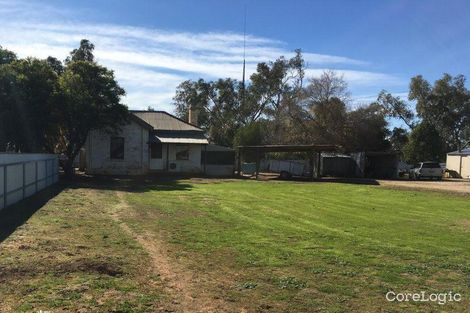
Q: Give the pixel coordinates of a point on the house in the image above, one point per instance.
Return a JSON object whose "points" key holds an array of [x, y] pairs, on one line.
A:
{"points": [[153, 141], [459, 162]]}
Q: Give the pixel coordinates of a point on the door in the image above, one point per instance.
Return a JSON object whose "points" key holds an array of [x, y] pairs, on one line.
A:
{"points": [[156, 156], [465, 167]]}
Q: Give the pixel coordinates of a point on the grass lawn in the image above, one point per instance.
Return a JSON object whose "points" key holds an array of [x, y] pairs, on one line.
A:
{"points": [[249, 246], [70, 256]]}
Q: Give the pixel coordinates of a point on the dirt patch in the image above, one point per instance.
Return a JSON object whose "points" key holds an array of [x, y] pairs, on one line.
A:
{"points": [[465, 223], [103, 267], [81, 265], [450, 186], [180, 283]]}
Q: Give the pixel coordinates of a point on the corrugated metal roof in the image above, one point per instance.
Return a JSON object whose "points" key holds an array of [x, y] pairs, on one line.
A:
{"points": [[161, 120], [463, 152]]}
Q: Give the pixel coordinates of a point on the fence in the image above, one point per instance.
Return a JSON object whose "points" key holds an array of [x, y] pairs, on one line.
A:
{"points": [[22, 175]]}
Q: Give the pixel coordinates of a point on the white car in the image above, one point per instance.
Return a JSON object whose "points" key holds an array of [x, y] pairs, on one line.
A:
{"points": [[427, 170]]}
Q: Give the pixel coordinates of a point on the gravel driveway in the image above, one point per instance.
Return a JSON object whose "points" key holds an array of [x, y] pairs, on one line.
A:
{"points": [[459, 186]]}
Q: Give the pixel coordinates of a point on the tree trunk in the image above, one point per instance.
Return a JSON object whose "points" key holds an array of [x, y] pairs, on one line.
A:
{"points": [[68, 167]]}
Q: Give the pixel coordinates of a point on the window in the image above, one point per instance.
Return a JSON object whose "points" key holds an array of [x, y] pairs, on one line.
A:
{"points": [[156, 150], [182, 152], [117, 148]]}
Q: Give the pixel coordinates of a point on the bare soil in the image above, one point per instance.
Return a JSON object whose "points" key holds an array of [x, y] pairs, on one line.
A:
{"points": [[452, 186]]}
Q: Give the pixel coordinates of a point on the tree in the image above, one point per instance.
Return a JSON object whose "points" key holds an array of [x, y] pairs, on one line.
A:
{"points": [[329, 85], [27, 105], [396, 108], [366, 130], [425, 144], [274, 86], [45, 106], [225, 117], [445, 105], [193, 94], [90, 98], [225, 105], [328, 120], [325, 110], [7, 56], [398, 138], [82, 53], [55, 64], [9, 97], [218, 106], [36, 107], [251, 134]]}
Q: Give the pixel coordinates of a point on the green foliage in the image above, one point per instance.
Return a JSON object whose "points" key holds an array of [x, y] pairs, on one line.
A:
{"points": [[290, 112], [425, 144], [45, 106], [291, 283], [225, 105], [398, 138], [217, 104], [366, 130], [329, 118], [250, 135], [27, 106], [55, 64], [90, 98], [445, 105], [82, 53], [7, 56], [397, 108], [248, 285]]}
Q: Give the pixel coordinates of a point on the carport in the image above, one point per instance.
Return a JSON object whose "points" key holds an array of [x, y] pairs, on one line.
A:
{"points": [[313, 151]]}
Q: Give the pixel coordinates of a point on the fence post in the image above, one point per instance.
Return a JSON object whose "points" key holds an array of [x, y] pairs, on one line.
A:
{"points": [[36, 175], [5, 186], [46, 161], [24, 180]]}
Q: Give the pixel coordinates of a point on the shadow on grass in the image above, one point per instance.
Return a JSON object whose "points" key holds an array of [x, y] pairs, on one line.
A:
{"points": [[17, 214], [325, 179], [136, 184]]}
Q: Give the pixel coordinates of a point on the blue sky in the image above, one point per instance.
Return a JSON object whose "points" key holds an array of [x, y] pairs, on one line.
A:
{"points": [[154, 45]]}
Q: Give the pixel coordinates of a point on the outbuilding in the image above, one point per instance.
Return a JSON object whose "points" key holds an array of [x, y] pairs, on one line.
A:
{"points": [[459, 162]]}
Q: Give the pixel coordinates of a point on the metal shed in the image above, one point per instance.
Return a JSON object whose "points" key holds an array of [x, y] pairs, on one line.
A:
{"points": [[459, 161]]}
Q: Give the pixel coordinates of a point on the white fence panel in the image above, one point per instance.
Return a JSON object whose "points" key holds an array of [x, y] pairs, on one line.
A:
{"points": [[22, 175]]}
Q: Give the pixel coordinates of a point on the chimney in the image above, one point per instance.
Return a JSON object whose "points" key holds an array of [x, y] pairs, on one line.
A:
{"points": [[192, 115]]}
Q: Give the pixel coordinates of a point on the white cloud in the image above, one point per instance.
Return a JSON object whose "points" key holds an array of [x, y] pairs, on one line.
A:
{"points": [[150, 63], [358, 78]]}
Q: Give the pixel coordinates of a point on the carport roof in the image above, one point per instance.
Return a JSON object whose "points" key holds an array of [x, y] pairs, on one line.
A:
{"points": [[290, 148]]}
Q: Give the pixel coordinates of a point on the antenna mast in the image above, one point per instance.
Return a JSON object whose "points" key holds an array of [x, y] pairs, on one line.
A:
{"points": [[244, 55]]}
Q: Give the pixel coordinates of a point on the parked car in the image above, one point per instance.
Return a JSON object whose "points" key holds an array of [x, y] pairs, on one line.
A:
{"points": [[427, 170]]}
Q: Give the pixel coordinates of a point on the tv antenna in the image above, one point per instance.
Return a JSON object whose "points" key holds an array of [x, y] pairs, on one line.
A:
{"points": [[244, 56]]}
